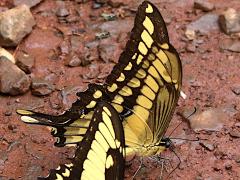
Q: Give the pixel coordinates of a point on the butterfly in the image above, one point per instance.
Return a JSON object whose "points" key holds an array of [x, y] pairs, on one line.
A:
{"points": [[100, 155], [143, 87]]}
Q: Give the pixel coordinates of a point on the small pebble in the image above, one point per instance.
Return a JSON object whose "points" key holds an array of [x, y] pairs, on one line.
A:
{"points": [[237, 124], [237, 160], [102, 35], [236, 90], [235, 133], [12, 127], [203, 5], [191, 48], [217, 165], [207, 145], [228, 166], [25, 62], [62, 12], [8, 113], [96, 5]]}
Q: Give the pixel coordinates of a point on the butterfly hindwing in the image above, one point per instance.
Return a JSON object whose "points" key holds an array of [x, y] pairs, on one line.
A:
{"points": [[69, 127], [100, 154]]}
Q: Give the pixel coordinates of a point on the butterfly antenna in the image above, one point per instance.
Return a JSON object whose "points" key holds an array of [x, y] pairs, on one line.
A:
{"points": [[195, 110]]}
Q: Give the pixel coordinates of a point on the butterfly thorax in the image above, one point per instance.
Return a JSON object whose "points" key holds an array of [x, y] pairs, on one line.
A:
{"points": [[145, 150]]}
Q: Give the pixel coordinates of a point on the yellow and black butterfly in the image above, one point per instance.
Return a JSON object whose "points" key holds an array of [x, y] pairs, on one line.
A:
{"points": [[100, 154], [143, 87]]}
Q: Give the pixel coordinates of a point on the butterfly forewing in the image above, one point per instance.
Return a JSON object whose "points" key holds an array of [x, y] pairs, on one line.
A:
{"points": [[147, 80]]}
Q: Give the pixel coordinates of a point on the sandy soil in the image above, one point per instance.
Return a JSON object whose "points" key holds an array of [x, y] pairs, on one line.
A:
{"points": [[210, 74]]}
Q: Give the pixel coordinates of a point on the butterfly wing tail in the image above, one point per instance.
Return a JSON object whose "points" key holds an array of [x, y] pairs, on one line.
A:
{"points": [[31, 117], [66, 128]]}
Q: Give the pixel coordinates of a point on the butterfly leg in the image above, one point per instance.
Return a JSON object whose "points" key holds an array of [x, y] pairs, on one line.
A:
{"points": [[139, 167]]}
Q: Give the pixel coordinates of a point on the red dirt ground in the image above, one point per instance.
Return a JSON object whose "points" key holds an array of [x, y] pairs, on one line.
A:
{"points": [[209, 74]]}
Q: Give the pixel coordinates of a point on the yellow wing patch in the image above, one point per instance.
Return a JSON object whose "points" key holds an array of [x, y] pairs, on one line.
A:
{"points": [[149, 9], [147, 38], [121, 77], [97, 94], [112, 88], [139, 59], [128, 67], [142, 48], [91, 104], [147, 23]]}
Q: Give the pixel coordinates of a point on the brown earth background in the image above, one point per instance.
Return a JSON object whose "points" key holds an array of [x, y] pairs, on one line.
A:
{"points": [[210, 76]]}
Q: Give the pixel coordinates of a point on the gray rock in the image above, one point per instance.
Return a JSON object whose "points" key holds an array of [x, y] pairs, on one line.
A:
{"points": [[29, 3], [204, 24], [41, 87], [25, 62], [210, 120], [15, 24], [13, 80], [230, 21], [203, 5], [230, 45]]}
